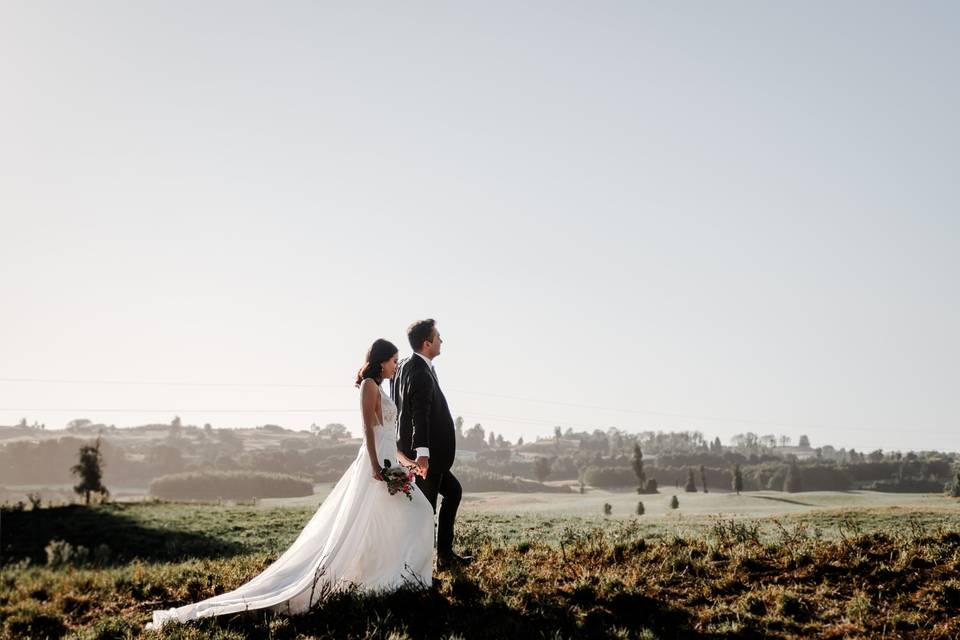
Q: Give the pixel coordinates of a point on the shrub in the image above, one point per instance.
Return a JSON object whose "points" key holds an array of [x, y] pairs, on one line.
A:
{"points": [[691, 486], [607, 508], [102, 555], [906, 485], [541, 468], [62, 554], [609, 476], [674, 503], [792, 482], [331, 468], [472, 479], [229, 485], [640, 509], [495, 455]]}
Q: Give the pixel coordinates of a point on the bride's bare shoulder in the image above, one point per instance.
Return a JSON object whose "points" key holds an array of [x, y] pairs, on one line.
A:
{"points": [[368, 388]]}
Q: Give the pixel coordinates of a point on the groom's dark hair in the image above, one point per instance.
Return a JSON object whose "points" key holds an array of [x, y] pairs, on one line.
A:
{"points": [[419, 332]]}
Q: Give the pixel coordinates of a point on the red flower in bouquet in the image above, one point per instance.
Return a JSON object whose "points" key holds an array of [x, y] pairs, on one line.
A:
{"points": [[398, 479]]}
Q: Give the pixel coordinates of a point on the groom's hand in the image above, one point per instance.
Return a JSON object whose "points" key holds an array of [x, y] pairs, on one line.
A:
{"points": [[423, 463]]}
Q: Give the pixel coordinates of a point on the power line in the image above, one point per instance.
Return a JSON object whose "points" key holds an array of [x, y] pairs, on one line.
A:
{"points": [[633, 411], [128, 410], [173, 383]]}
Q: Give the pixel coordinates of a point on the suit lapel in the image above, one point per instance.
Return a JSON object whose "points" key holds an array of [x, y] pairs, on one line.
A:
{"points": [[426, 365]]}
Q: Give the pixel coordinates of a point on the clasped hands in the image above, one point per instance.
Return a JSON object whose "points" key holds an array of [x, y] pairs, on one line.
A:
{"points": [[420, 466]]}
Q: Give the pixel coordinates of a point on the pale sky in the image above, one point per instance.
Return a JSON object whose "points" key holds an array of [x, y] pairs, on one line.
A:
{"points": [[741, 214]]}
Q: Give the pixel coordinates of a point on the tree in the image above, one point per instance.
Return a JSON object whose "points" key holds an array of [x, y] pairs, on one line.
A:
{"points": [[541, 468], [475, 438], [230, 442], [458, 427], [747, 440], [501, 443], [638, 468], [804, 442], [607, 508], [691, 484], [955, 489], [90, 471], [737, 479], [491, 440], [792, 483], [640, 509], [716, 446], [520, 441], [166, 459], [615, 443], [703, 478], [176, 428], [674, 503], [334, 431]]}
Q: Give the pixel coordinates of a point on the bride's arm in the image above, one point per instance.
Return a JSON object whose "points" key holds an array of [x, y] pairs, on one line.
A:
{"points": [[369, 395]]}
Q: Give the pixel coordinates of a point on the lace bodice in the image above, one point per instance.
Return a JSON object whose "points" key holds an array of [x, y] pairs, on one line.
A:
{"points": [[389, 411]]}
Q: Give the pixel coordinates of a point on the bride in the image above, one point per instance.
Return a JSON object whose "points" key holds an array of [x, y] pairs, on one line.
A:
{"points": [[361, 536]]}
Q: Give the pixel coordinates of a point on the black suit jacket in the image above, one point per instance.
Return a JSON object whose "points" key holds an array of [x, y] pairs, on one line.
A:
{"points": [[424, 418]]}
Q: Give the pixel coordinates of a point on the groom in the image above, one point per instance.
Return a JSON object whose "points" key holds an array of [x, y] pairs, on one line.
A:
{"points": [[425, 433]]}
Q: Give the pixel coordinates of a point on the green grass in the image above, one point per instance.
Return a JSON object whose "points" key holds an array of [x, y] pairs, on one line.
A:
{"points": [[881, 571], [153, 531], [175, 531]]}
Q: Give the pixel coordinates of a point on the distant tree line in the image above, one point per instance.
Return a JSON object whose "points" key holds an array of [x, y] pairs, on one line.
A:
{"points": [[229, 485], [647, 461], [49, 461]]}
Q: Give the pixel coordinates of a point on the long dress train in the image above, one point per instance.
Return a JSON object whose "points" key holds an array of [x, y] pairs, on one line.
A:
{"points": [[360, 536]]}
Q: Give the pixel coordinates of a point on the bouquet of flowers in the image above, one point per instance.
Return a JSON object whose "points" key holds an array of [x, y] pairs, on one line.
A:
{"points": [[398, 479]]}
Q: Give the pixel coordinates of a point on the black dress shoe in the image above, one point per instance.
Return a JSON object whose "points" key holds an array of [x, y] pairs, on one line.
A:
{"points": [[450, 560]]}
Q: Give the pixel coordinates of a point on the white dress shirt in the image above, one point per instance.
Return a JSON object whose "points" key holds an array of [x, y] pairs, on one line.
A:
{"points": [[424, 452]]}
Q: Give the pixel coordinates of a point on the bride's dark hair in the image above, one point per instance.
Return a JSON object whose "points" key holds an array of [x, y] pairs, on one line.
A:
{"points": [[380, 351]]}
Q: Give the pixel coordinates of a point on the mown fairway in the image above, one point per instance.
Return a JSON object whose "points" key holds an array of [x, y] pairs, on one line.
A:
{"points": [[821, 565]]}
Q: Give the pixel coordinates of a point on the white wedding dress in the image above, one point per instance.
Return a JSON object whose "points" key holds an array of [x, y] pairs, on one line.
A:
{"points": [[360, 536]]}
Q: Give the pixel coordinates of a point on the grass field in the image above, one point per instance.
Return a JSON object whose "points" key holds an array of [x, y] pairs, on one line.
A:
{"points": [[766, 564]]}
